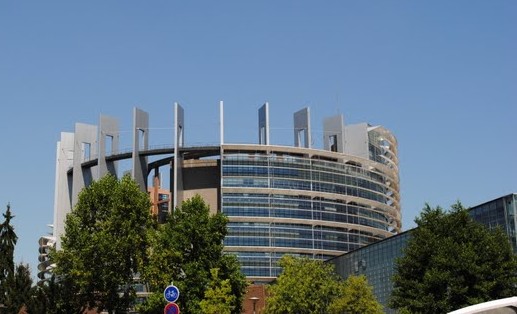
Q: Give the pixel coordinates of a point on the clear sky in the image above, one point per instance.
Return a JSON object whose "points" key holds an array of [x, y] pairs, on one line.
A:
{"points": [[441, 75]]}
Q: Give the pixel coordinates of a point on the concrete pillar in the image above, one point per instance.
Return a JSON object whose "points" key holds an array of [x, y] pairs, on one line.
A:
{"points": [[85, 149], [302, 128], [140, 143], [263, 126], [108, 145]]}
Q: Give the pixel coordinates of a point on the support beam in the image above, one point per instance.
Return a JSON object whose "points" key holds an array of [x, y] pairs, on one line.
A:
{"points": [[302, 128], [108, 145], [140, 143], [178, 158], [264, 124]]}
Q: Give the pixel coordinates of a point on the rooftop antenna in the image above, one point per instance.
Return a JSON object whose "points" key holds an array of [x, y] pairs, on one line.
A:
{"points": [[338, 111]]}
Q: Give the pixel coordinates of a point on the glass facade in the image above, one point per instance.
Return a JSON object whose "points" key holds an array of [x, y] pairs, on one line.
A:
{"points": [[283, 203], [500, 212], [299, 200], [377, 261]]}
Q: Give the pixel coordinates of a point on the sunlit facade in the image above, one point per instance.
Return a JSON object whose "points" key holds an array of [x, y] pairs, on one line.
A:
{"points": [[377, 261], [500, 212], [300, 200]]}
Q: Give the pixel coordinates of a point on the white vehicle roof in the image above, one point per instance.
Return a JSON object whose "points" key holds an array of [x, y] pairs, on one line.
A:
{"points": [[501, 306]]}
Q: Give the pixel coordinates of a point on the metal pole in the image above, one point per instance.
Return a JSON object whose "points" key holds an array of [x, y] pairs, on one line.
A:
{"points": [[254, 299]]}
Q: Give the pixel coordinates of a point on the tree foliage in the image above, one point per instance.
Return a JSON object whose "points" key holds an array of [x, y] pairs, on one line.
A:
{"points": [[104, 244], [304, 286], [184, 250], [355, 297], [8, 239], [451, 262], [19, 289], [218, 297]]}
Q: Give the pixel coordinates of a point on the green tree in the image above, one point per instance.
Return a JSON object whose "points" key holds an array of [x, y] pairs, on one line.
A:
{"points": [[8, 239], [184, 250], [218, 297], [304, 286], [451, 262], [39, 300], [356, 297], [104, 245], [53, 297], [19, 289]]}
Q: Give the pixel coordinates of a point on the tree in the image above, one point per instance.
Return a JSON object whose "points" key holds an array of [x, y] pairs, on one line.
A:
{"points": [[53, 297], [451, 262], [304, 286], [356, 297], [104, 244], [39, 301], [8, 239], [218, 297], [19, 289], [184, 250]]}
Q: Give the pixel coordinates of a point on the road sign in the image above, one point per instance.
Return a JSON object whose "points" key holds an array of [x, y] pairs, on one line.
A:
{"points": [[171, 293], [171, 308]]}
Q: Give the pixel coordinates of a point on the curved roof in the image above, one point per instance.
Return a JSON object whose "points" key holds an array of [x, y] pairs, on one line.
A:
{"points": [[507, 305]]}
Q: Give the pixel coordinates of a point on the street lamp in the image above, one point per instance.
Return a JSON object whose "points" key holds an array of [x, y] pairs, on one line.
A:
{"points": [[254, 300]]}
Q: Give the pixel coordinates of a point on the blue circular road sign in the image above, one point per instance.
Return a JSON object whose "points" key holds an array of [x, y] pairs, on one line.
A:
{"points": [[171, 293]]}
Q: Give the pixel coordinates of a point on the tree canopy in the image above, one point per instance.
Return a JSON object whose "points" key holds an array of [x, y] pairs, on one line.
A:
{"points": [[218, 297], [451, 262], [185, 250], [104, 245], [311, 286], [8, 239], [19, 289], [355, 297]]}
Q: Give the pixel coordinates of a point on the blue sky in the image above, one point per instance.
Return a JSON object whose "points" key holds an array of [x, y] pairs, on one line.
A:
{"points": [[442, 75]]}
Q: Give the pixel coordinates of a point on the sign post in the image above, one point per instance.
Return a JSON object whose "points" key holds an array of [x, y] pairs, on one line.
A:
{"points": [[171, 295]]}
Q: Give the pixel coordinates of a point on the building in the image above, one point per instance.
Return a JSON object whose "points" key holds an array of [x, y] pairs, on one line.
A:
{"points": [[377, 261], [301, 200], [501, 212], [45, 243]]}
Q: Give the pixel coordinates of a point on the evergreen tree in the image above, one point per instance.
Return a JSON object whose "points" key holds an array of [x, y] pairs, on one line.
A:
{"points": [[19, 289], [8, 241], [451, 262]]}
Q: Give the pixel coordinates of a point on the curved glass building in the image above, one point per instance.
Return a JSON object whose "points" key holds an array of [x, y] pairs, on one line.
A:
{"points": [[307, 202], [300, 200]]}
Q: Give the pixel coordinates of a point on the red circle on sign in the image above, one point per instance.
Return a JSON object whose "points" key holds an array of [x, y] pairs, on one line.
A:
{"points": [[171, 308]]}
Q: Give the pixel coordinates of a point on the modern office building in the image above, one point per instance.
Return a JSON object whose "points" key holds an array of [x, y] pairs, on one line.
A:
{"points": [[301, 200], [501, 212], [377, 261]]}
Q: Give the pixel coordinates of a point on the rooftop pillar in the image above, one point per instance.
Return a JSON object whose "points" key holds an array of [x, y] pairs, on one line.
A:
{"points": [[334, 134], [63, 185], [85, 148], [108, 145], [221, 122], [264, 124], [140, 143], [178, 158], [302, 128]]}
